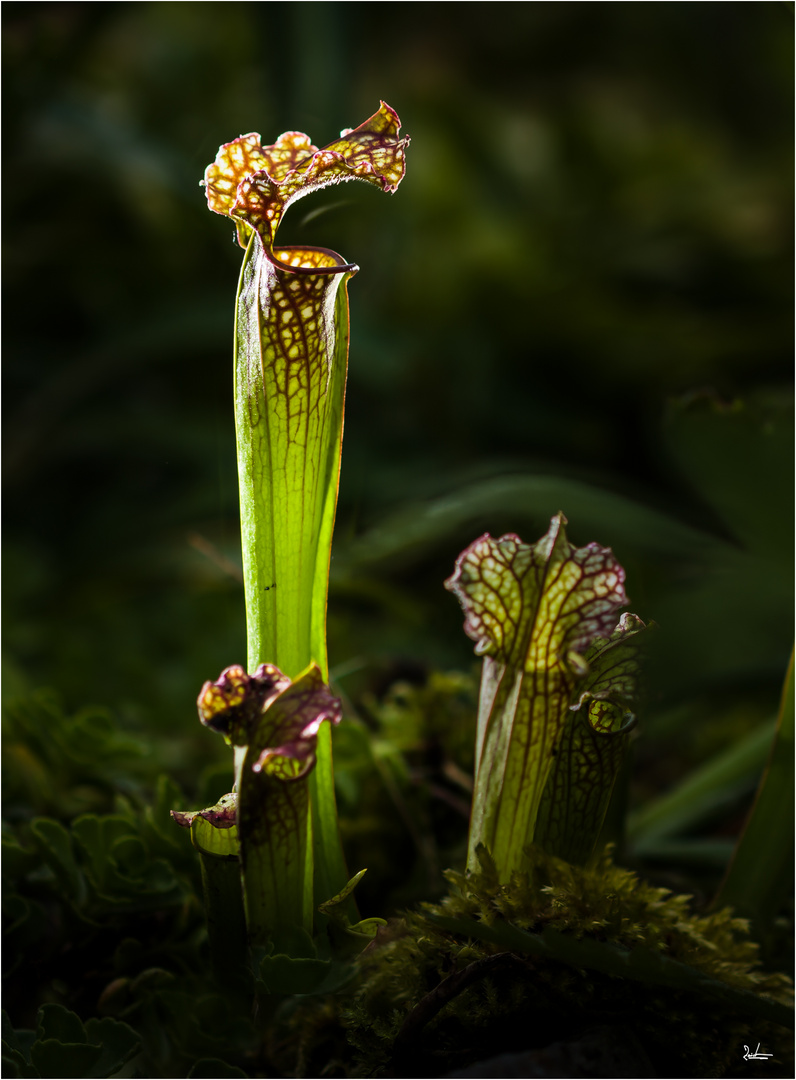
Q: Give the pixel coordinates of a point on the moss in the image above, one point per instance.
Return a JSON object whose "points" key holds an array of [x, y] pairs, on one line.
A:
{"points": [[405, 1014]]}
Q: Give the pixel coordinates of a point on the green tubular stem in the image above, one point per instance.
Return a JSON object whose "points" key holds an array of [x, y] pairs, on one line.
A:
{"points": [[289, 424]]}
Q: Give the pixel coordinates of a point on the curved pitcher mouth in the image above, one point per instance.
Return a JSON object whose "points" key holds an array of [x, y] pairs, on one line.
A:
{"points": [[307, 259], [254, 184]]}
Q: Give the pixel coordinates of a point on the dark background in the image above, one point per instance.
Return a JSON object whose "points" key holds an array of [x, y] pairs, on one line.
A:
{"points": [[579, 299]]}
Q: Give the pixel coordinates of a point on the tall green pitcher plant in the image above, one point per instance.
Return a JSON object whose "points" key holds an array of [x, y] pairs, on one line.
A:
{"points": [[291, 358]]}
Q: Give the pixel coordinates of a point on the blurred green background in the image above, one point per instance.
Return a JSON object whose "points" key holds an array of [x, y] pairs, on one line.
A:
{"points": [[580, 299]]}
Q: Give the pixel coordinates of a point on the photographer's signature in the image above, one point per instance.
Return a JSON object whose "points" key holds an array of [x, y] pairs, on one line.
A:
{"points": [[756, 1056]]}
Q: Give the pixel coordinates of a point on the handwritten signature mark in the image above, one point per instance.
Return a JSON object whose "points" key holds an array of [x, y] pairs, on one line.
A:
{"points": [[756, 1056]]}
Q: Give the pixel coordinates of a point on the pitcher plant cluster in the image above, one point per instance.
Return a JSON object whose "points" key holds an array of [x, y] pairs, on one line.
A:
{"points": [[560, 666]]}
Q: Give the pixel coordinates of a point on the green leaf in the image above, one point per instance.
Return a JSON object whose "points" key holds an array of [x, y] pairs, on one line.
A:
{"points": [[367, 928], [57, 1022], [118, 1041], [26, 924], [97, 836], [157, 815], [63, 1047], [131, 856], [17, 1045], [344, 939], [760, 875], [287, 975], [62, 764], [691, 851], [14, 1064], [54, 1058], [121, 868], [56, 847], [294, 941], [739, 456], [17, 860], [295, 968], [639, 964], [16, 912], [702, 792], [534, 611], [406, 535], [343, 895]]}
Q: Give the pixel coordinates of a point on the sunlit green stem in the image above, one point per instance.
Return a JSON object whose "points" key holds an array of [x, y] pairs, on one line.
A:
{"points": [[290, 374]]}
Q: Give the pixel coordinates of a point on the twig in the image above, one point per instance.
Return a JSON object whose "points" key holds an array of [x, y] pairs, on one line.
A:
{"points": [[428, 1007]]}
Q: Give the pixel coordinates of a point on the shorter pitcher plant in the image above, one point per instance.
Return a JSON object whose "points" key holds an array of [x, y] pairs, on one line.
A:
{"points": [[557, 689]]}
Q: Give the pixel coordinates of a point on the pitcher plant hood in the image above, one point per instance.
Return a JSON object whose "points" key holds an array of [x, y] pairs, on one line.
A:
{"points": [[255, 184]]}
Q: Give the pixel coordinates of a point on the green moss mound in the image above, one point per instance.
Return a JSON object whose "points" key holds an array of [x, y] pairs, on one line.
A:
{"points": [[499, 968]]}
